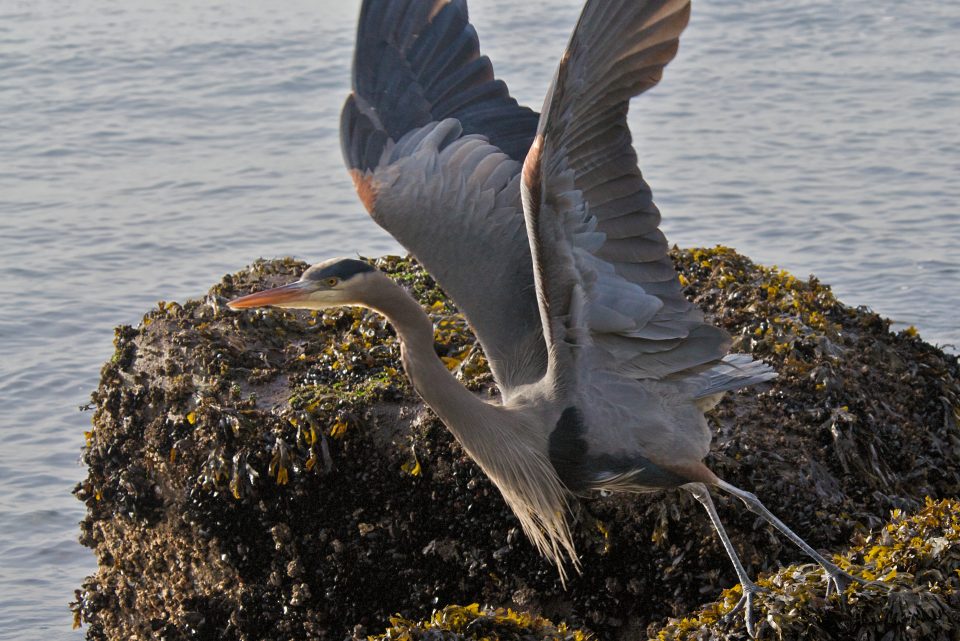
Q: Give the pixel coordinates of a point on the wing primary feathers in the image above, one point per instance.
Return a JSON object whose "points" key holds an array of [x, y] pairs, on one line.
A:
{"points": [[418, 62]]}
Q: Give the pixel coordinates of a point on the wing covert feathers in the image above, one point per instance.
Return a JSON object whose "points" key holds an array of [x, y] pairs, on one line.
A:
{"points": [[433, 141], [453, 201], [601, 262]]}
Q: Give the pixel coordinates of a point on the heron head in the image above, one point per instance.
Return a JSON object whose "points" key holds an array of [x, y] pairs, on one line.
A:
{"points": [[332, 283]]}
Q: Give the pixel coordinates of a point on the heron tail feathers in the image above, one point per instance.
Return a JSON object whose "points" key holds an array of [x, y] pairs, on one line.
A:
{"points": [[732, 372]]}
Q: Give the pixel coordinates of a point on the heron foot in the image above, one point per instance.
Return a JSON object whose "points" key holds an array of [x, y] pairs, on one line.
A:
{"points": [[838, 581], [745, 603]]}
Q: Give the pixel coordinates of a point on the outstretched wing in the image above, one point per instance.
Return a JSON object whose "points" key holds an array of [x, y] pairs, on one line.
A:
{"points": [[434, 144], [602, 271]]}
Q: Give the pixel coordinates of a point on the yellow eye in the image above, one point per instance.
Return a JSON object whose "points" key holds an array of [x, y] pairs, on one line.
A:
{"points": [[332, 282]]}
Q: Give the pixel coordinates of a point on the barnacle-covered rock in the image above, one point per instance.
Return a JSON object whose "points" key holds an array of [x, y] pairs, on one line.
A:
{"points": [[271, 474], [913, 567]]}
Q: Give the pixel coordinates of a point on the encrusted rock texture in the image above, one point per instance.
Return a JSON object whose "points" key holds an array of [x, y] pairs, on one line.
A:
{"points": [[271, 474]]}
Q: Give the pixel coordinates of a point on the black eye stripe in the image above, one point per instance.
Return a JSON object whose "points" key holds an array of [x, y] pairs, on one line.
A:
{"points": [[341, 270]]}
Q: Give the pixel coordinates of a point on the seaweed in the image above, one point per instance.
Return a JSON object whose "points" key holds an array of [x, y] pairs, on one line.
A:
{"points": [[271, 474], [913, 567], [472, 623]]}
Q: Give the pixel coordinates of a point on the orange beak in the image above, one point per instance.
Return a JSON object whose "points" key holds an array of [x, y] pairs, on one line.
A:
{"points": [[282, 296]]}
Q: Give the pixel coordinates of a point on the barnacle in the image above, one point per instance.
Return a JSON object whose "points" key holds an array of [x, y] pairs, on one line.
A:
{"points": [[860, 419]]}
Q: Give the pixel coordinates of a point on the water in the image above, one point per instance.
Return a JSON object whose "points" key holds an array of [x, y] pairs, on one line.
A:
{"points": [[146, 149]]}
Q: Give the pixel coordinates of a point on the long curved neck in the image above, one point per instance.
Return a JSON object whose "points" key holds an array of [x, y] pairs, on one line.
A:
{"points": [[511, 451], [454, 404]]}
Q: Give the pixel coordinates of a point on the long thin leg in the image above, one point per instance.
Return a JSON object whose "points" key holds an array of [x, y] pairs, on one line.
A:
{"points": [[749, 588], [836, 578]]}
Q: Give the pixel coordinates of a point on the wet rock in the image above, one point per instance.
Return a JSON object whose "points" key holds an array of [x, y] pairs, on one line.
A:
{"points": [[913, 564], [271, 475]]}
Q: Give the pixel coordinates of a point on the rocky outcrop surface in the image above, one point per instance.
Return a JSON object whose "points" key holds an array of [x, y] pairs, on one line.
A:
{"points": [[272, 475]]}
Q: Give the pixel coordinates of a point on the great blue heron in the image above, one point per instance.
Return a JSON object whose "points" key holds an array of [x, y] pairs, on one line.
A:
{"points": [[544, 233]]}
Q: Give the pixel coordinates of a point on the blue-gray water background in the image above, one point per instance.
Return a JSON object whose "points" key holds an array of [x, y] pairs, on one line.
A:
{"points": [[148, 148]]}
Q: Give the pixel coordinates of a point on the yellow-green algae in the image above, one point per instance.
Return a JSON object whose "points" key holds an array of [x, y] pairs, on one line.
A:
{"points": [[912, 591], [842, 363], [913, 567], [285, 459], [473, 623]]}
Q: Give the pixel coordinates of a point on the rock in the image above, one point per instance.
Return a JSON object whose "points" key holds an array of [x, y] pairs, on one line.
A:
{"points": [[913, 564], [272, 475]]}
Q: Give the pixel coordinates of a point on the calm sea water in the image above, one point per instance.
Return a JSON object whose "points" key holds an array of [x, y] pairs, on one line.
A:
{"points": [[147, 148]]}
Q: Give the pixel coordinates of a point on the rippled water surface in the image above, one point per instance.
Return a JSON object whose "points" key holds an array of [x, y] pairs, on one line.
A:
{"points": [[147, 148]]}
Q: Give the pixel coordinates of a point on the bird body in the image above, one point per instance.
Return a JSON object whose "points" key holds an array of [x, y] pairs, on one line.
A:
{"points": [[545, 443], [543, 231]]}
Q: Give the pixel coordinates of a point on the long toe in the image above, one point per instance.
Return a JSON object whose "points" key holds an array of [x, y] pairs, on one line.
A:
{"points": [[746, 604], [838, 581]]}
